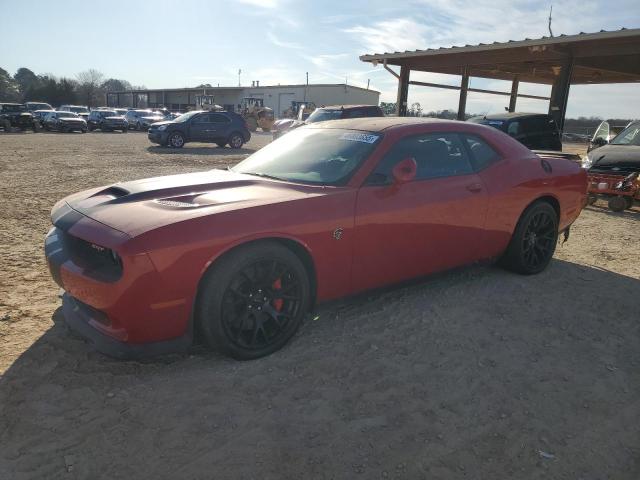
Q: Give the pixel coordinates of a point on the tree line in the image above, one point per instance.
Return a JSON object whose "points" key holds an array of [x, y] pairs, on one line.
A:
{"points": [[88, 88]]}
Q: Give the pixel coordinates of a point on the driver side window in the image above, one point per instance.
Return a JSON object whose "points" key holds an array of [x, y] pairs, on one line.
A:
{"points": [[436, 155]]}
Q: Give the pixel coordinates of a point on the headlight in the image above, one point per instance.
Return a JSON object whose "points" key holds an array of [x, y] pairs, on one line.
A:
{"points": [[586, 161], [162, 127]]}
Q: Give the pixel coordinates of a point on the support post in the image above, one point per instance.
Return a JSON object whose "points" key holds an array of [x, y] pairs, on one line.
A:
{"points": [[464, 87], [560, 93], [403, 91], [514, 94]]}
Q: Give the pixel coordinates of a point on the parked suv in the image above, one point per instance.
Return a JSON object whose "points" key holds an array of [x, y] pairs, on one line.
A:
{"points": [[142, 119], [33, 106], [322, 114], [81, 110], [221, 128], [65, 122], [536, 131], [107, 121], [16, 115]]}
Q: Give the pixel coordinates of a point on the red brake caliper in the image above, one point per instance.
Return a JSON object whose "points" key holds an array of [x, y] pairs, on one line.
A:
{"points": [[277, 302]]}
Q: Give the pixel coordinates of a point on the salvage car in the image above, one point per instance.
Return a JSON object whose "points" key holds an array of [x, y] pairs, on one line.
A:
{"points": [[536, 131], [324, 113], [16, 115], [142, 119], [239, 256], [64, 122], [221, 128], [107, 121], [613, 170]]}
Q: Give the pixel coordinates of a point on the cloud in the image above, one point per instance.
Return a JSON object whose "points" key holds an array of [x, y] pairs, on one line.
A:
{"points": [[391, 35], [324, 60], [262, 3], [280, 43]]}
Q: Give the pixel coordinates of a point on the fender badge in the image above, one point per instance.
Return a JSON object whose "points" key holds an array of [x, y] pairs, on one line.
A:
{"points": [[337, 233]]}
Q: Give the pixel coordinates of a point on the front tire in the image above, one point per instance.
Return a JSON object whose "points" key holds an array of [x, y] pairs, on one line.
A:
{"points": [[236, 140], [176, 140], [252, 301], [617, 204], [534, 240]]}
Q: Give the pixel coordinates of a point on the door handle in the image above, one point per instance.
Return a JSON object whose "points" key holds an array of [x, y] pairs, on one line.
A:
{"points": [[474, 188]]}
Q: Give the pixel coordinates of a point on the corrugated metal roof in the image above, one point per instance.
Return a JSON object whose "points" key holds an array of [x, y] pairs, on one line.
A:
{"points": [[527, 42]]}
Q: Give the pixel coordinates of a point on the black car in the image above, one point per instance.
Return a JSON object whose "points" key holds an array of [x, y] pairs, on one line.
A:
{"points": [[16, 115], [536, 131], [107, 121], [65, 122], [324, 113], [621, 156], [222, 128]]}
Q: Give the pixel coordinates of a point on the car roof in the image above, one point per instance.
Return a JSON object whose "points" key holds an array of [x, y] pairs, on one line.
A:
{"points": [[378, 124], [511, 115], [346, 107]]}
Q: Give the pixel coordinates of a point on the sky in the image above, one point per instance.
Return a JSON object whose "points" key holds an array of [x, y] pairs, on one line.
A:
{"points": [[165, 43]]}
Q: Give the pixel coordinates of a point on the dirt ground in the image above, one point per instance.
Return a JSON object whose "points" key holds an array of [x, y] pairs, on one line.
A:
{"points": [[476, 373]]}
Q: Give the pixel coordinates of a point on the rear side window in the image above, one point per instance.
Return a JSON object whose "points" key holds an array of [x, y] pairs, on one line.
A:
{"points": [[539, 124], [436, 154], [219, 118], [482, 154]]}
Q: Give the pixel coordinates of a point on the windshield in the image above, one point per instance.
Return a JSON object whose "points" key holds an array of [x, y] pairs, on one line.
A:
{"points": [[108, 113], [629, 136], [79, 109], [67, 115], [310, 155], [322, 115], [185, 116]]}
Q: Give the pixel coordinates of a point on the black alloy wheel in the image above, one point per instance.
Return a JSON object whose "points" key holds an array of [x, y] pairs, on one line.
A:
{"points": [[253, 301], [534, 241]]}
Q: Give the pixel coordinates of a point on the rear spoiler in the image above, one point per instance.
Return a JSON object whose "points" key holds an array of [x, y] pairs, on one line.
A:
{"points": [[574, 157]]}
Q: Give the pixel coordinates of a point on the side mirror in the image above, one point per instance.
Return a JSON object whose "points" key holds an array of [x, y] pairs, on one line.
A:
{"points": [[404, 171]]}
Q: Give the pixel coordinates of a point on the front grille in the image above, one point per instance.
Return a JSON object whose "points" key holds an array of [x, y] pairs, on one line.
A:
{"points": [[97, 261]]}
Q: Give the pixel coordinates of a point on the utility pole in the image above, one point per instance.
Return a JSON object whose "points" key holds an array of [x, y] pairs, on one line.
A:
{"points": [[239, 72], [550, 12]]}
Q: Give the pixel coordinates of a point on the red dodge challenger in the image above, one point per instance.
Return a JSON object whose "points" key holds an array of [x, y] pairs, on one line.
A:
{"points": [[237, 257]]}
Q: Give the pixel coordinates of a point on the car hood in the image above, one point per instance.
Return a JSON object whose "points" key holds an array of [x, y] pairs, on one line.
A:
{"points": [[139, 206], [287, 123], [152, 119], [165, 122], [616, 156], [71, 119], [114, 119]]}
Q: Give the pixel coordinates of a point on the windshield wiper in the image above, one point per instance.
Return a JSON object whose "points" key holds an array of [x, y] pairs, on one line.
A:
{"points": [[264, 175]]}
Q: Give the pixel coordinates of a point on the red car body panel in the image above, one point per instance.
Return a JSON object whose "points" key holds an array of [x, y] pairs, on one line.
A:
{"points": [[167, 231]]}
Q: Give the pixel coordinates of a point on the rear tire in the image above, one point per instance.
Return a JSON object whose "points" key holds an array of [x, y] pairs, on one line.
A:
{"points": [[252, 301], [534, 240], [236, 140]]}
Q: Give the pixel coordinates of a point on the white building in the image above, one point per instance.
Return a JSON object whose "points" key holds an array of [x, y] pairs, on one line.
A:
{"points": [[277, 97]]}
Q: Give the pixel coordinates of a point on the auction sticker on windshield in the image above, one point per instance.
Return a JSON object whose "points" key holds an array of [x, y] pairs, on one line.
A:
{"points": [[360, 137]]}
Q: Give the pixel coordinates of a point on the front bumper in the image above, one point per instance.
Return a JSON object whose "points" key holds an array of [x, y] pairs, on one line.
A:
{"points": [[80, 318], [72, 126], [128, 314], [157, 136]]}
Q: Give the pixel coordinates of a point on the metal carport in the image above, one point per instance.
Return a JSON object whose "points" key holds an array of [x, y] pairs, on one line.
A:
{"points": [[561, 61]]}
